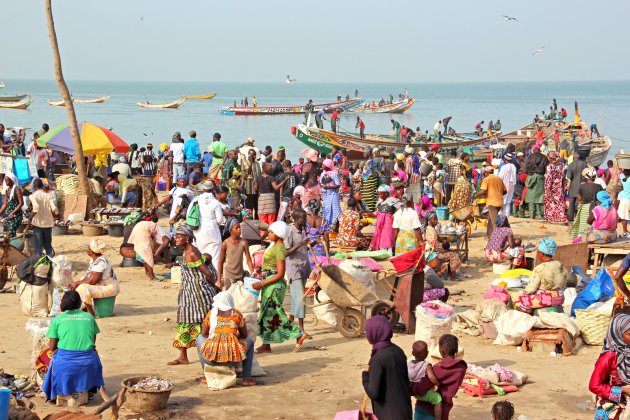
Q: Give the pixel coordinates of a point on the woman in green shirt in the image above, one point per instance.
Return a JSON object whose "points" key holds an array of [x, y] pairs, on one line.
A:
{"points": [[273, 324], [75, 366]]}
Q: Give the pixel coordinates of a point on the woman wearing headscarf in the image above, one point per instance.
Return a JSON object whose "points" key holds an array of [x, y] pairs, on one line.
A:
{"points": [[384, 237], [535, 167], [12, 203], [586, 195], [386, 380], [461, 195], [610, 380], [147, 242], [350, 226], [406, 226], [503, 246], [317, 231], [425, 206], [432, 241], [369, 181], [433, 285], [99, 280], [329, 181], [602, 222], [195, 296], [273, 324], [555, 210], [223, 339], [75, 366], [180, 196], [208, 235], [546, 283]]}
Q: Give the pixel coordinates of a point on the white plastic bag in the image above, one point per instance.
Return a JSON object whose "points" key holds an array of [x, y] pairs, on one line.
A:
{"points": [[512, 326], [62, 271], [429, 328], [244, 301], [327, 313], [357, 269], [34, 300]]}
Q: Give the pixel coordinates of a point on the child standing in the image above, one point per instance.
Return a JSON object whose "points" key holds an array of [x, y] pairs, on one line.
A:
{"points": [[298, 267], [231, 258], [418, 368], [450, 374], [438, 185]]}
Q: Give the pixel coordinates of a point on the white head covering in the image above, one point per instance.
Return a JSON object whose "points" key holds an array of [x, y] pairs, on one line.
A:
{"points": [[223, 301], [280, 229], [5, 187]]}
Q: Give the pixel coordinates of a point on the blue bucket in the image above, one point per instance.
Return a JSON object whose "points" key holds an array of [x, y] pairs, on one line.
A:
{"points": [[442, 213], [5, 397]]}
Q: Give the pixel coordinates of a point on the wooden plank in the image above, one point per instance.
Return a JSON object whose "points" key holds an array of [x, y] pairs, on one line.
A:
{"points": [[572, 254], [74, 204]]}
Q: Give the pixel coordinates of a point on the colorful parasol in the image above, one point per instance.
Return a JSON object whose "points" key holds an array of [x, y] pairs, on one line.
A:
{"points": [[94, 139]]}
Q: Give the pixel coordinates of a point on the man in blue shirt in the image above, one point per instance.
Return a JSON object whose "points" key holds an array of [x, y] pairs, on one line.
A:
{"points": [[206, 159], [192, 152]]}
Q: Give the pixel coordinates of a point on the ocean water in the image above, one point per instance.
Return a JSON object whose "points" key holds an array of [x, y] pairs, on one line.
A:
{"points": [[515, 104]]}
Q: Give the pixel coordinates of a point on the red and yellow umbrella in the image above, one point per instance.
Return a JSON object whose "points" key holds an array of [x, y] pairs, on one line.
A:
{"points": [[94, 140]]}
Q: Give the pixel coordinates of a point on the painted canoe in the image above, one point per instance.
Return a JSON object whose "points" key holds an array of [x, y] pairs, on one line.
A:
{"points": [[168, 105], [394, 108], [208, 96], [298, 109], [90, 100], [12, 98], [23, 104], [323, 144]]}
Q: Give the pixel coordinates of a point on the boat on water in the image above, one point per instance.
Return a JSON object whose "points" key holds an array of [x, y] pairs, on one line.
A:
{"points": [[208, 96], [168, 105], [298, 109], [397, 107], [60, 102], [21, 104], [2, 85], [12, 98]]}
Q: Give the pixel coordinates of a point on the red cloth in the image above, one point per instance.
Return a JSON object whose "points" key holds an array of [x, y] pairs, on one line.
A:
{"points": [[604, 375], [450, 373], [267, 218]]}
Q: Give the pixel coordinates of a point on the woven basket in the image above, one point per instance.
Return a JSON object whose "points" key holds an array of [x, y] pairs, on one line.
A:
{"points": [[593, 325], [462, 213]]}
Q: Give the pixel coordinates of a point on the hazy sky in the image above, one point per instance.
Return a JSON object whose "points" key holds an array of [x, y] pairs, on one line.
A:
{"points": [[321, 41]]}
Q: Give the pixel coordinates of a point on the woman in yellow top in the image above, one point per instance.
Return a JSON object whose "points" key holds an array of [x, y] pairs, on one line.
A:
{"points": [[223, 338], [273, 324]]}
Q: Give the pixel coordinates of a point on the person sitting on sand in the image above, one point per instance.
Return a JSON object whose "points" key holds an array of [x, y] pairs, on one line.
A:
{"points": [[610, 379], [147, 242], [223, 339], [602, 222], [546, 283], [195, 296], [99, 280], [75, 366], [503, 246], [418, 368], [449, 373], [433, 285]]}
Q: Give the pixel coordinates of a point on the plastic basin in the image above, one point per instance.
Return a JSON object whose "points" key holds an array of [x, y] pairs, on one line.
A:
{"points": [[104, 307]]}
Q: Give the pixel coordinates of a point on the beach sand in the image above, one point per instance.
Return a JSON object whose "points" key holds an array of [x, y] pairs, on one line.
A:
{"points": [[321, 379]]}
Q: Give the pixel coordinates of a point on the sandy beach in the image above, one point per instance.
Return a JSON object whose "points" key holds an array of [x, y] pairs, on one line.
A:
{"points": [[315, 383]]}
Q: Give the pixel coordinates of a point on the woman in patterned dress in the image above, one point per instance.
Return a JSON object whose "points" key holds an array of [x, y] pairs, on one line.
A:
{"points": [[350, 226], [99, 281], [329, 181], [195, 295], [431, 238], [386, 207], [223, 339], [461, 194], [369, 181], [12, 204], [554, 190]]}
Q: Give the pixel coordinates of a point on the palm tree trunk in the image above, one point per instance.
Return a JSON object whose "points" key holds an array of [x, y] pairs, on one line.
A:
{"points": [[65, 94]]}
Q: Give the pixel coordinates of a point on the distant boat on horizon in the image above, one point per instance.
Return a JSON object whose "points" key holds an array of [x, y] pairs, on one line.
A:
{"points": [[168, 105], [60, 102], [208, 96]]}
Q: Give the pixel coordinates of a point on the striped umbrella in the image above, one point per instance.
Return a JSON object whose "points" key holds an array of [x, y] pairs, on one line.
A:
{"points": [[94, 140]]}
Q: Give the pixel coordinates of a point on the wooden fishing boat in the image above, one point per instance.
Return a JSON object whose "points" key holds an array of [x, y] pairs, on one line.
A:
{"points": [[90, 100], [2, 85], [324, 144], [208, 96], [397, 107], [23, 104], [280, 110], [168, 105], [12, 98], [56, 102]]}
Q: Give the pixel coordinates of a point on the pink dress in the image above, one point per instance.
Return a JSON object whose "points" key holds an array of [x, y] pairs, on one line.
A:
{"points": [[384, 233]]}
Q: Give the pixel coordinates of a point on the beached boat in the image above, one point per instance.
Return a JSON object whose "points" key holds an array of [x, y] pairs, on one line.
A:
{"points": [[208, 96], [397, 107], [90, 100], [23, 104], [12, 98], [298, 109], [168, 105]]}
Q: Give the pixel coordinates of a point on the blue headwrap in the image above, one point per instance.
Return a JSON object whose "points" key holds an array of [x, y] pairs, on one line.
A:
{"points": [[548, 247], [604, 198], [179, 178]]}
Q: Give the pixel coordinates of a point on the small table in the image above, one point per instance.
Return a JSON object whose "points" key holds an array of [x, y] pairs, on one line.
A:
{"points": [[621, 248], [461, 246]]}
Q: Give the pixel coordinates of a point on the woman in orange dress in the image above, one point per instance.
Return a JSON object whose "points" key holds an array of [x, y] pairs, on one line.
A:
{"points": [[223, 338]]}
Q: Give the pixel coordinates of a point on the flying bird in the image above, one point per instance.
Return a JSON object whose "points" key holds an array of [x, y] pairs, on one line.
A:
{"points": [[538, 51], [508, 18], [289, 80], [147, 135]]}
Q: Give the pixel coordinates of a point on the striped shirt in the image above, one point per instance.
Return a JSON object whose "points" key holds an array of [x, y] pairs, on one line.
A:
{"points": [[148, 164]]}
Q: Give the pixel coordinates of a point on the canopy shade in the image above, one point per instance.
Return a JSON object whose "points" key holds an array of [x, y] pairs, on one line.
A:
{"points": [[94, 140]]}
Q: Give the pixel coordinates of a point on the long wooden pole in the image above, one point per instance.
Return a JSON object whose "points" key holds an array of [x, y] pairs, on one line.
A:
{"points": [[65, 94]]}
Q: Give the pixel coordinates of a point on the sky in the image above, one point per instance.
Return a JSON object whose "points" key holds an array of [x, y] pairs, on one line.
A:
{"points": [[324, 41]]}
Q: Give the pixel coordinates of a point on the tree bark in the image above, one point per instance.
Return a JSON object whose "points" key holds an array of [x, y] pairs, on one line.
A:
{"points": [[65, 94]]}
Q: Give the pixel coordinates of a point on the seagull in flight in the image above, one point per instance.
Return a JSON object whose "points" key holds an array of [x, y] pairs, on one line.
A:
{"points": [[508, 18], [538, 51]]}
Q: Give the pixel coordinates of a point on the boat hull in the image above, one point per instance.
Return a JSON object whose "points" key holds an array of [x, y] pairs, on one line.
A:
{"points": [[209, 96], [15, 98], [393, 108], [284, 110], [23, 104], [323, 144], [169, 105], [100, 100]]}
